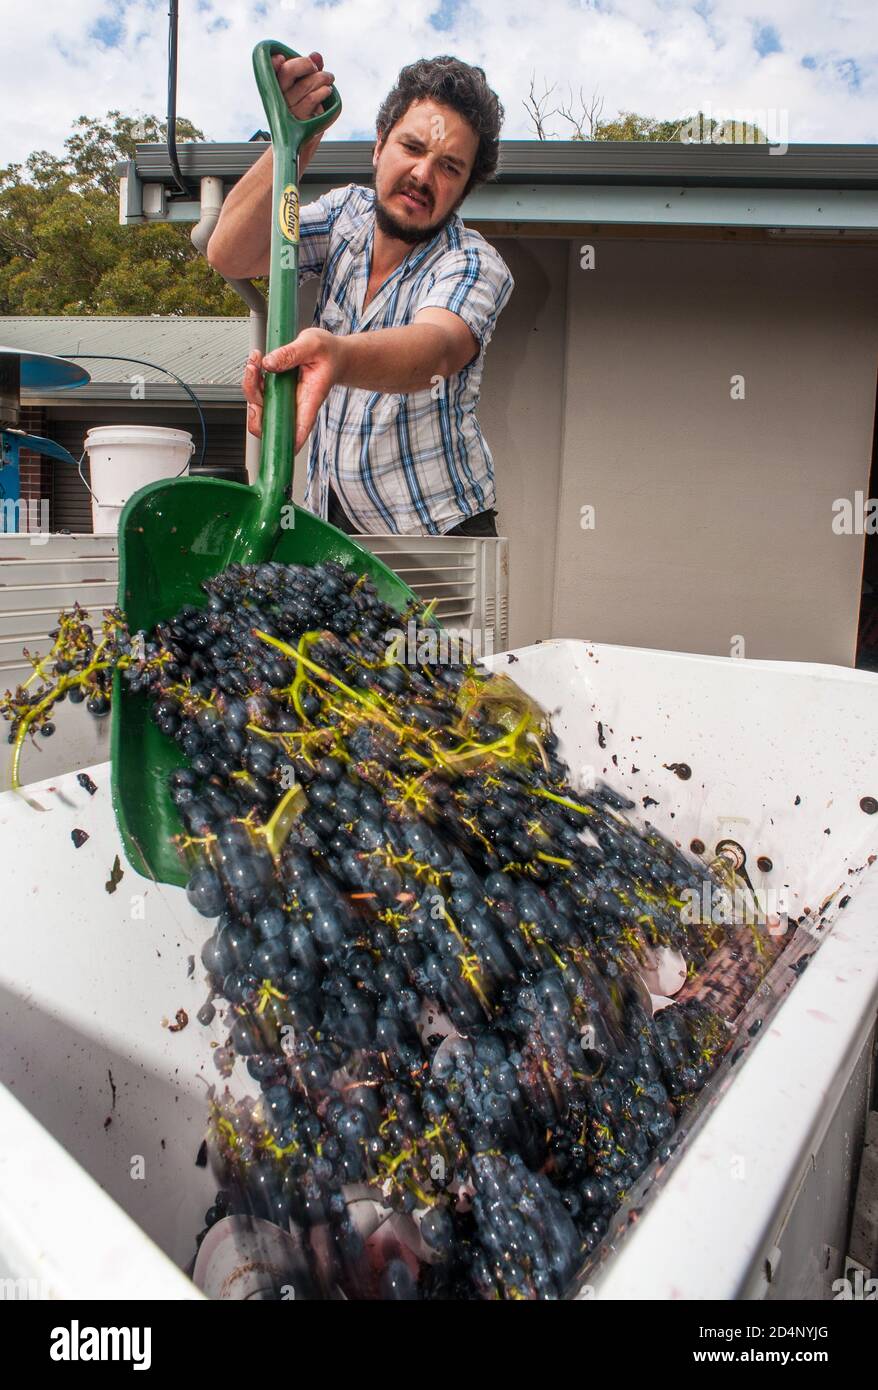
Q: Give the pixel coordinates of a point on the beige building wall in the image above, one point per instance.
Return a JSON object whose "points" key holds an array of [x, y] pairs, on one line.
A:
{"points": [[713, 516], [522, 415], [612, 388]]}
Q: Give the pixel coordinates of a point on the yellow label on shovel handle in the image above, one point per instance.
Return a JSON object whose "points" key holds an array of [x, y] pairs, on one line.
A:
{"points": [[288, 213]]}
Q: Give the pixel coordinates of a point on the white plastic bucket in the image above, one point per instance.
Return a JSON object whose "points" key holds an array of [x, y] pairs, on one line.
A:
{"points": [[123, 459]]}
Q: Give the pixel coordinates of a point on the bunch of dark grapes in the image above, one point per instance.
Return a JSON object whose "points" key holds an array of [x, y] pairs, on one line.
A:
{"points": [[79, 666], [426, 944]]}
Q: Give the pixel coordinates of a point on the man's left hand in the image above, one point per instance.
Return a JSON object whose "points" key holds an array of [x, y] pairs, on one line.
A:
{"points": [[316, 353]]}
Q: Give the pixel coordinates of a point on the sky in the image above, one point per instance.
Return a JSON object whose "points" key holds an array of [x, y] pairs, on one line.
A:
{"points": [[809, 67]]}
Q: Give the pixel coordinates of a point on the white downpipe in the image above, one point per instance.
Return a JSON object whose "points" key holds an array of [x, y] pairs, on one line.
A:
{"points": [[211, 206]]}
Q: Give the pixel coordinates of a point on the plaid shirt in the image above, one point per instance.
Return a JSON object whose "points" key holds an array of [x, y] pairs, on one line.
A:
{"points": [[413, 464]]}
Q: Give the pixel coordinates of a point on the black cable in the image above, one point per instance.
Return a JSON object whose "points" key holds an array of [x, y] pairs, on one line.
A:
{"points": [[114, 357], [172, 101]]}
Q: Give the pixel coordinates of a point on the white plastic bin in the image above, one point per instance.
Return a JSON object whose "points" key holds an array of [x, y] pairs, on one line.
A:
{"points": [[123, 459], [780, 755]]}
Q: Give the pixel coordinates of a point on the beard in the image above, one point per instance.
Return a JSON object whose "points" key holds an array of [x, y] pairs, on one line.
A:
{"points": [[392, 227]]}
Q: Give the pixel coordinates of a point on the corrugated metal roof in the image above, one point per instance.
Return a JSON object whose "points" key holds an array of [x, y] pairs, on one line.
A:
{"points": [[207, 352]]}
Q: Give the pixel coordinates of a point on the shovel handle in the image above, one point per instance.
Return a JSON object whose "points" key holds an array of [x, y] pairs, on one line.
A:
{"points": [[288, 134], [280, 117]]}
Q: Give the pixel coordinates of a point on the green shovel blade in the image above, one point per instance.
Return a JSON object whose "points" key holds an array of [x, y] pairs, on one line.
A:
{"points": [[174, 535]]}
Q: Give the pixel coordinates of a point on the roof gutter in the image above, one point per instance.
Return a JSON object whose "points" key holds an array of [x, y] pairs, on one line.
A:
{"points": [[562, 162], [561, 186]]}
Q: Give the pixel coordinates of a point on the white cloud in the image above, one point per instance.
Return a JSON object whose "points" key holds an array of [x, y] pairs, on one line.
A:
{"points": [[660, 57]]}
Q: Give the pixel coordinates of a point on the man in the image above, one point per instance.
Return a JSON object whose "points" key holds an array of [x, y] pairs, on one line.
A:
{"points": [[389, 377]]}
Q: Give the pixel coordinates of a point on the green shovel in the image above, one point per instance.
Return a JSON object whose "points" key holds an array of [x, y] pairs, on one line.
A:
{"points": [[175, 534]]}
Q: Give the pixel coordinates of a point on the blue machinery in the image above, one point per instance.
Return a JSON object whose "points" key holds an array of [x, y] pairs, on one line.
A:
{"points": [[37, 371]]}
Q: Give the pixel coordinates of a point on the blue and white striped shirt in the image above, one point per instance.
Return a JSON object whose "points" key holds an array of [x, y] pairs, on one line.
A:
{"points": [[416, 463]]}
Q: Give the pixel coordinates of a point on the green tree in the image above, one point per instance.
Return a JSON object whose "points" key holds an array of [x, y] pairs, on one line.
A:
{"points": [[63, 251], [628, 125], [699, 129]]}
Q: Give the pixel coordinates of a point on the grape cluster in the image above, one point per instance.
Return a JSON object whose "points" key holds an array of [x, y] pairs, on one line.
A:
{"points": [[79, 666], [427, 945]]}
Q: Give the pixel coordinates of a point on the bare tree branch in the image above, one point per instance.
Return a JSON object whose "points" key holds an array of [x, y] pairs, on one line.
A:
{"points": [[585, 122], [536, 109]]}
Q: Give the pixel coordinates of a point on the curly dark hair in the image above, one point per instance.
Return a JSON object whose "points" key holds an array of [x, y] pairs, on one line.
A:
{"points": [[459, 85]]}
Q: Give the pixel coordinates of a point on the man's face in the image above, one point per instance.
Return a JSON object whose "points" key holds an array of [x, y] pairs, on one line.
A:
{"points": [[421, 170]]}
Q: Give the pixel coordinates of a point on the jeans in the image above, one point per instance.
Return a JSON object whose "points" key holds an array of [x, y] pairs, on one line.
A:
{"points": [[482, 524]]}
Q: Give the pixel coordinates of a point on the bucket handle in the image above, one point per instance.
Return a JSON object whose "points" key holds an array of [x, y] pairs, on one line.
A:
{"points": [[97, 499]]}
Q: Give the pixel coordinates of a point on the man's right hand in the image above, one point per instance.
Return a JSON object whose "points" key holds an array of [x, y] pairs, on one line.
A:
{"points": [[306, 85], [240, 246]]}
